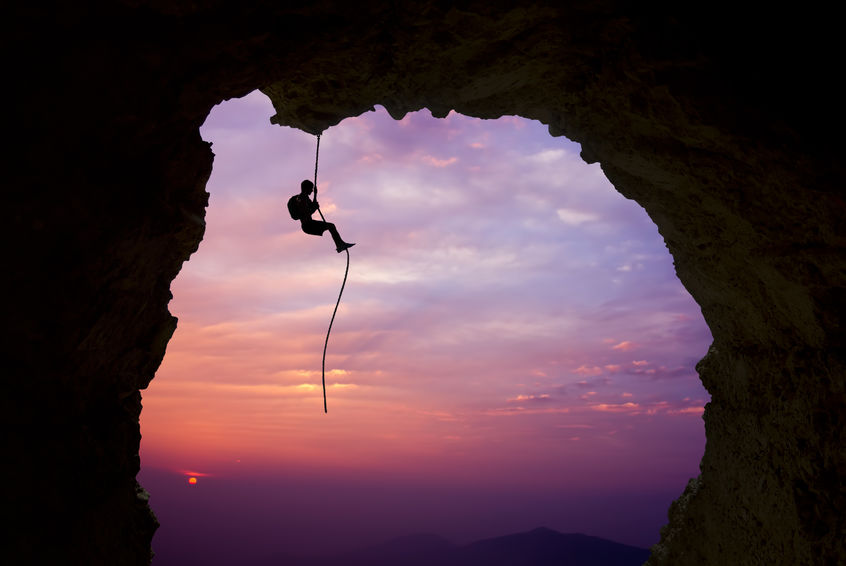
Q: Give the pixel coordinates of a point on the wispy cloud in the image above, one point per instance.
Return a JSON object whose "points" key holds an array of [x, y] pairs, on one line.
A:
{"points": [[435, 162], [529, 398], [576, 217]]}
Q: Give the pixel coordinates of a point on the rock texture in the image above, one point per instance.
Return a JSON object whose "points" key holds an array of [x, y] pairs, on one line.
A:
{"points": [[719, 123]]}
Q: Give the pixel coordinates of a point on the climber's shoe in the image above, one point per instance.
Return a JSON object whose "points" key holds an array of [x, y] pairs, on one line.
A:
{"points": [[344, 246]]}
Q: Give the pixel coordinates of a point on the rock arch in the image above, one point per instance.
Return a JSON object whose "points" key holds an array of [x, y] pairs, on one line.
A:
{"points": [[711, 121]]}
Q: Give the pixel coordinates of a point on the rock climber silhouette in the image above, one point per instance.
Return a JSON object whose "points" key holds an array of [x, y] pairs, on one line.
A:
{"points": [[301, 207]]}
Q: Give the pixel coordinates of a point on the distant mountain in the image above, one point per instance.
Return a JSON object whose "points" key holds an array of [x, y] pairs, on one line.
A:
{"points": [[539, 547]]}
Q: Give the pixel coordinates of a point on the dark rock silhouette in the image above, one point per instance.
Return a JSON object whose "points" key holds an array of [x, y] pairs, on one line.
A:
{"points": [[539, 547], [721, 122]]}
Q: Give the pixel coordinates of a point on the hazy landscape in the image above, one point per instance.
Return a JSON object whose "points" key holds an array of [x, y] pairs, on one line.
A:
{"points": [[539, 547]]}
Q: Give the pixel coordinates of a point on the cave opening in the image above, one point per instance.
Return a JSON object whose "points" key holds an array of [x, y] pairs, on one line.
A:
{"points": [[490, 251]]}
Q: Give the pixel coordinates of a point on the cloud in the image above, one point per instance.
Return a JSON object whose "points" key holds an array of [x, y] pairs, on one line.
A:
{"points": [[575, 217], [523, 398], [663, 372], [625, 346], [523, 411], [669, 408], [435, 162], [194, 473], [439, 415], [548, 156], [617, 407], [687, 411], [343, 386], [371, 158], [585, 370]]}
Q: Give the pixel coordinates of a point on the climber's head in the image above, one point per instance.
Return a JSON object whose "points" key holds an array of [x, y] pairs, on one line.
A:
{"points": [[306, 187]]}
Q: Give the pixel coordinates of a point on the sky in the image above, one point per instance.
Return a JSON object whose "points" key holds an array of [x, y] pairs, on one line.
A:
{"points": [[512, 349]]}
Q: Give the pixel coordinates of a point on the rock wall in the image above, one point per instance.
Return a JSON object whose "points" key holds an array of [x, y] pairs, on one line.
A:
{"points": [[715, 121]]}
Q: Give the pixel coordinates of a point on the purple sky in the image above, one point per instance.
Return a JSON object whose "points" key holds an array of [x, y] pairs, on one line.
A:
{"points": [[512, 350]]}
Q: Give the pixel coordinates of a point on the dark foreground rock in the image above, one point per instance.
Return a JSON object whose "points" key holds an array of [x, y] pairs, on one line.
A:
{"points": [[722, 124]]}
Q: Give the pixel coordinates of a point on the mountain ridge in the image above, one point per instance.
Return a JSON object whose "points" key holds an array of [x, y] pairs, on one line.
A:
{"points": [[538, 547]]}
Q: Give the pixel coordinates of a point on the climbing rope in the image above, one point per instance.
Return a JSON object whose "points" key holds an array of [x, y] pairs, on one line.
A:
{"points": [[338, 302], [326, 343], [316, 159]]}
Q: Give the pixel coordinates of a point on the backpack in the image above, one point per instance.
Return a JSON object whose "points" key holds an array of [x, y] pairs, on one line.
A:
{"points": [[293, 207]]}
